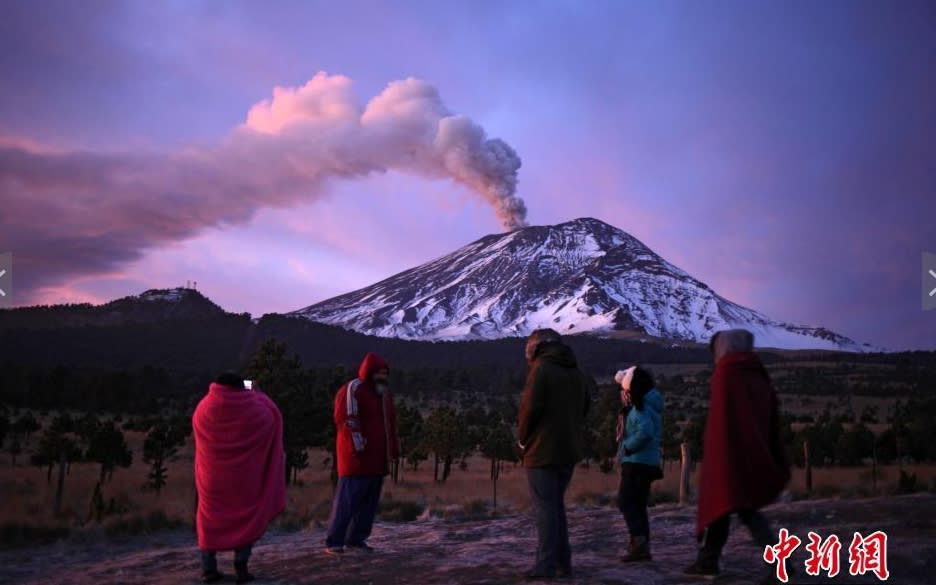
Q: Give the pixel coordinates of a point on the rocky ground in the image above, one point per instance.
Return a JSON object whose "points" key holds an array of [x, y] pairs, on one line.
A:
{"points": [[499, 550]]}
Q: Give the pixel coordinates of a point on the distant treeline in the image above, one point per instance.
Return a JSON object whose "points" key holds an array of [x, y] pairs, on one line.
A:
{"points": [[445, 416], [226, 341], [142, 365]]}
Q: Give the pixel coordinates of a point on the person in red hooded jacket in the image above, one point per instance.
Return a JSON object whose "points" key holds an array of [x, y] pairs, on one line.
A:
{"points": [[744, 466], [367, 443]]}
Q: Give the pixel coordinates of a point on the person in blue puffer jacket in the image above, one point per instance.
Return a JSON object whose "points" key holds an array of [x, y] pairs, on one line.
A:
{"points": [[639, 432]]}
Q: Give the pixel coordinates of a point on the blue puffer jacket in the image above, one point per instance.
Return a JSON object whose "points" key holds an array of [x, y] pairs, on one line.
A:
{"points": [[642, 431]]}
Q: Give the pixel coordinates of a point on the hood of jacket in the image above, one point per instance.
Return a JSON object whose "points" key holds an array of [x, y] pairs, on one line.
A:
{"points": [[731, 341], [557, 353], [654, 401], [370, 365]]}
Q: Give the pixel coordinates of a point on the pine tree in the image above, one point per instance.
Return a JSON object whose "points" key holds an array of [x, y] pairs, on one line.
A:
{"points": [[26, 425], [15, 449], [108, 446], [304, 399], [160, 446], [410, 428], [499, 444], [445, 436], [4, 429], [56, 443]]}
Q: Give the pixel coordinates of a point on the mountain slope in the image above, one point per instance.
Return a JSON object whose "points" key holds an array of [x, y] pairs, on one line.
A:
{"points": [[579, 276], [152, 306]]}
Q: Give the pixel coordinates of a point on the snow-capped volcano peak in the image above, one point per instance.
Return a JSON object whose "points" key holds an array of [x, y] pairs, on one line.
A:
{"points": [[575, 277]]}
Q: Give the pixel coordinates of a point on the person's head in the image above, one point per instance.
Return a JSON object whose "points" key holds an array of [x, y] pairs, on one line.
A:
{"points": [[231, 380], [730, 341], [382, 376], [374, 368], [635, 383], [537, 340]]}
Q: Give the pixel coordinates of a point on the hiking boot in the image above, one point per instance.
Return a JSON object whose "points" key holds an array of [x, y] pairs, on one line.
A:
{"points": [[639, 550], [212, 576], [702, 569], [243, 576]]}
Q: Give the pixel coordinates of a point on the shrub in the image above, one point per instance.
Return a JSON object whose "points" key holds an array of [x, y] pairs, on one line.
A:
{"points": [[663, 497], [593, 499], [907, 483], [476, 509], [141, 524], [399, 510], [14, 535], [291, 522]]}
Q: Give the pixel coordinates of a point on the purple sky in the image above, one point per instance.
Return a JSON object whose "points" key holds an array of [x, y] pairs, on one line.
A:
{"points": [[780, 152]]}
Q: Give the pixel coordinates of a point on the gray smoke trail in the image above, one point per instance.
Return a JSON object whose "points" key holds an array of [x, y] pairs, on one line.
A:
{"points": [[407, 127], [100, 211]]}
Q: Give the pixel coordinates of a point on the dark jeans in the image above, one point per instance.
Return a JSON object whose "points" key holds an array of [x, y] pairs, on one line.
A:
{"points": [[353, 510], [547, 490], [716, 534], [633, 494], [209, 558]]}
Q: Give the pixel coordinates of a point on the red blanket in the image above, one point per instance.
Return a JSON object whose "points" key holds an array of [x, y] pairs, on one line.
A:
{"points": [[239, 467], [743, 465]]}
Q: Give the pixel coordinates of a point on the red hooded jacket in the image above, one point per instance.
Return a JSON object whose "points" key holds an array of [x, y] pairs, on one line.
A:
{"points": [[367, 428], [743, 465]]}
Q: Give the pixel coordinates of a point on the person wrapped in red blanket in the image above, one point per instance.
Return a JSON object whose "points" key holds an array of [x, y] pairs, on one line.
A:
{"points": [[239, 472], [744, 466]]}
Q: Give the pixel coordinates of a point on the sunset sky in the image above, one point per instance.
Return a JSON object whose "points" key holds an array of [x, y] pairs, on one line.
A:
{"points": [[280, 153]]}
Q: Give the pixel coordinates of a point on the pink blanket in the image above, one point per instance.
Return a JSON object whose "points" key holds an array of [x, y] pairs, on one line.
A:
{"points": [[239, 467]]}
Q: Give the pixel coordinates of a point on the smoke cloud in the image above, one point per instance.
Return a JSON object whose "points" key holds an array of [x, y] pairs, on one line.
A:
{"points": [[85, 213]]}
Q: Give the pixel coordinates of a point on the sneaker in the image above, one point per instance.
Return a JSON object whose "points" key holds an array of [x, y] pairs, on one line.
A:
{"points": [[335, 551], [363, 547], [704, 570]]}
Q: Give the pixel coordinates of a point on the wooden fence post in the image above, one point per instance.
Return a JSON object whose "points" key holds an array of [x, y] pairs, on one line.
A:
{"points": [[684, 474]]}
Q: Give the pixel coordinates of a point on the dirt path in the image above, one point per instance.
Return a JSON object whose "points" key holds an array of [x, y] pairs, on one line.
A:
{"points": [[499, 550]]}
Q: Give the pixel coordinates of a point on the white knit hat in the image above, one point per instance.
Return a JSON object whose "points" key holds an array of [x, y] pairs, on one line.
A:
{"points": [[624, 377]]}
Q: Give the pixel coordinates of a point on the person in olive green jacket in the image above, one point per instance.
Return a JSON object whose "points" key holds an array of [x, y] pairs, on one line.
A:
{"points": [[555, 401]]}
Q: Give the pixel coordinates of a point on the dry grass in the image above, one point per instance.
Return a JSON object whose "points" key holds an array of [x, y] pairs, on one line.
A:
{"points": [[27, 500], [857, 481]]}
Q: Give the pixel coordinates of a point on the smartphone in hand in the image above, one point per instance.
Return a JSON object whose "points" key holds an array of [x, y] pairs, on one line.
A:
{"points": [[248, 384]]}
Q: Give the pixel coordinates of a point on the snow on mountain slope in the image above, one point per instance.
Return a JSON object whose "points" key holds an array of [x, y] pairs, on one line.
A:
{"points": [[582, 276]]}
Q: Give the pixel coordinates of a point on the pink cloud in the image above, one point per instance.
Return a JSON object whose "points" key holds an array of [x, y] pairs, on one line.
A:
{"points": [[58, 295], [82, 213], [324, 99]]}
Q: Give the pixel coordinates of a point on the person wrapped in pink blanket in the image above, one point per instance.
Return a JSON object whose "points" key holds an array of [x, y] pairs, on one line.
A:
{"points": [[239, 472]]}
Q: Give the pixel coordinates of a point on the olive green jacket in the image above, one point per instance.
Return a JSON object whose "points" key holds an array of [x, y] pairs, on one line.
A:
{"points": [[555, 400]]}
